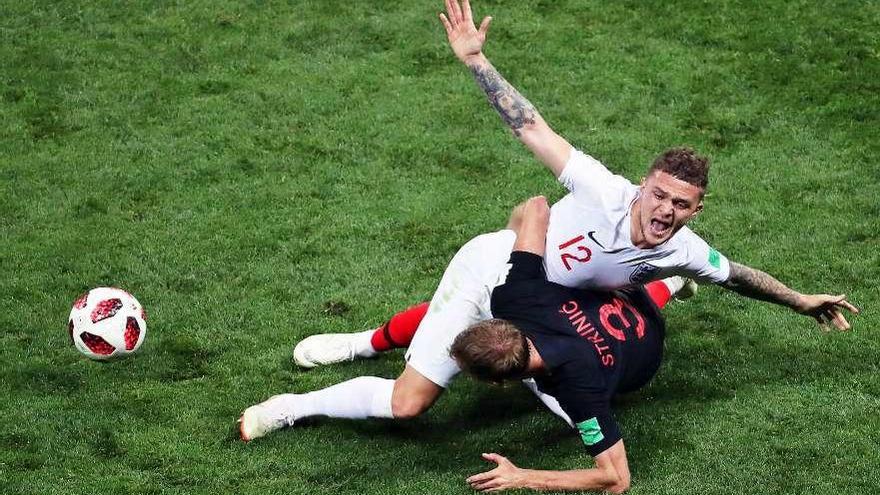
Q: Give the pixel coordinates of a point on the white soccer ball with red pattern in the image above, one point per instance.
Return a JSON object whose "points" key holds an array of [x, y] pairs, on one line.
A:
{"points": [[107, 322]]}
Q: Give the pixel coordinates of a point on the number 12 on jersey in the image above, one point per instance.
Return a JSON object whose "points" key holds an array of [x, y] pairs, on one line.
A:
{"points": [[576, 249]]}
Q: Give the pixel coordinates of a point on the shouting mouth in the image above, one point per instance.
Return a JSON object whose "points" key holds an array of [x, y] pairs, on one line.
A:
{"points": [[660, 228]]}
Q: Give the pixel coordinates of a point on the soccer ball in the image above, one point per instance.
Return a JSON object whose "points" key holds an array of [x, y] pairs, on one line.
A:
{"points": [[107, 322]]}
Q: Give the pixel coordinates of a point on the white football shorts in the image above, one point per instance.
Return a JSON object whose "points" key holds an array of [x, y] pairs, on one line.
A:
{"points": [[462, 299]]}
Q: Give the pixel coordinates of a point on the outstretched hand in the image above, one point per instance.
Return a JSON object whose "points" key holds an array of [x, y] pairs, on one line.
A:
{"points": [[505, 476], [826, 309], [464, 38]]}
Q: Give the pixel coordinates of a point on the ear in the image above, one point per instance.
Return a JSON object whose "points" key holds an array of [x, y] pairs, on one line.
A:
{"points": [[698, 210]]}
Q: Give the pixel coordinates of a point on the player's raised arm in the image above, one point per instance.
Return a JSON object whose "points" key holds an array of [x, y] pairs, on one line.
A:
{"points": [[824, 308], [611, 474], [516, 111]]}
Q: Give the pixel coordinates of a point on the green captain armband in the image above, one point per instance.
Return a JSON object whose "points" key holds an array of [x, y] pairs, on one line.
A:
{"points": [[714, 258], [590, 432]]}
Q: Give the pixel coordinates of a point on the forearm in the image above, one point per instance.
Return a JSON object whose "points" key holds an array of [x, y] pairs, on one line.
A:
{"points": [[756, 284], [573, 480], [520, 115], [516, 111]]}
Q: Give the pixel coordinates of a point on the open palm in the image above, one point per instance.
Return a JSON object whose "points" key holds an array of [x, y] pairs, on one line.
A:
{"points": [[464, 38]]}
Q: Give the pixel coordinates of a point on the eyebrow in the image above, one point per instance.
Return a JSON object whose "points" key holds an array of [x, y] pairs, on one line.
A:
{"points": [[675, 199]]}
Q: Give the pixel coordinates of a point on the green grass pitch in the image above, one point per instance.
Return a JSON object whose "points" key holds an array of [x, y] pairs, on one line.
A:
{"points": [[256, 172]]}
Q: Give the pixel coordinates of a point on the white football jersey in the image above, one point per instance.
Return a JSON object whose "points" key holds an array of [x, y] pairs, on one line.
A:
{"points": [[589, 243]]}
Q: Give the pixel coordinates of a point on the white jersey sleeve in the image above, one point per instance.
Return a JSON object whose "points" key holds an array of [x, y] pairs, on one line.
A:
{"points": [[703, 263], [591, 183]]}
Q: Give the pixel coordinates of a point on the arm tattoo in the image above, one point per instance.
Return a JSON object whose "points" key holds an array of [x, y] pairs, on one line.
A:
{"points": [[759, 285], [516, 111]]}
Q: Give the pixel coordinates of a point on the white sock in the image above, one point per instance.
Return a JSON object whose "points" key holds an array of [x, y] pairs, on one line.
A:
{"points": [[674, 284], [548, 401], [363, 344], [359, 398]]}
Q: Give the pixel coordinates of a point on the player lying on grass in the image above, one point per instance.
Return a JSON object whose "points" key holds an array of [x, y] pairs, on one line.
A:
{"points": [[608, 233], [594, 343], [581, 347]]}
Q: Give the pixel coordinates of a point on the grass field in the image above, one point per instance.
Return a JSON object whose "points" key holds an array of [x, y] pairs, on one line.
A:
{"points": [[261, 171]]}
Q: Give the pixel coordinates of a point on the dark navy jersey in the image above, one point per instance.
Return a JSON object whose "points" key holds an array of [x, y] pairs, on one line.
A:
{"points": [[594, 344]]}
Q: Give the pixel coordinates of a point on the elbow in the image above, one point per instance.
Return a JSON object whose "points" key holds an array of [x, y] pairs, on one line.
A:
{"points": [[617, 482], [532, 132], [620, 487], [534, 125], [530, 127]]}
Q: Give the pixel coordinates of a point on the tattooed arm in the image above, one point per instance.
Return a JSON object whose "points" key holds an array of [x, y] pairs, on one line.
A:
{"points": [[756, 284], [522, 118], [516, 111]]}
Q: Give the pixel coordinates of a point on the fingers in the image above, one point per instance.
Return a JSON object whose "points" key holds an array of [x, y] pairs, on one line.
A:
{"points": [[481, 478], [497, 459], [828, 311], [488, 488], [838, 320], [832, 316], [485, 481], [454, 11], [484, 26], [446, 23], [487, 485], [843, 303], [450, 12], [839, 301], [466, 11]]}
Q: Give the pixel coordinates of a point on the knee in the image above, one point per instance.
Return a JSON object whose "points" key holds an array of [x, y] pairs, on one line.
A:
{"points": [[407, 406], [413, 394]]}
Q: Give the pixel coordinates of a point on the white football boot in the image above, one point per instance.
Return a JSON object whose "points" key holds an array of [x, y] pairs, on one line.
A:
{"points": [[329, 348], [261, 419]]}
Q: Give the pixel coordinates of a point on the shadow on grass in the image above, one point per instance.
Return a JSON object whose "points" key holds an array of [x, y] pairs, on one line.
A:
{"points": [[709, 358], [44, 379]]}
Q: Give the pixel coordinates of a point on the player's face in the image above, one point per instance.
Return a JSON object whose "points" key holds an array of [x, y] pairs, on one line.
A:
{"points": [[665, 206]]}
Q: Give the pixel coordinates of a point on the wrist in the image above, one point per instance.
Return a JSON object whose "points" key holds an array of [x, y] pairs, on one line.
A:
{"points": [[475, 59], [800, 303], [528, 478]]}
